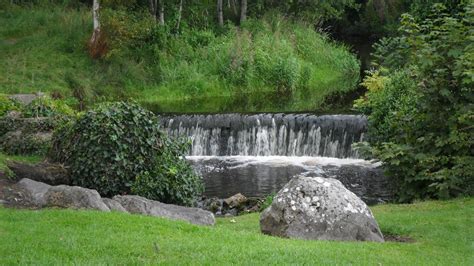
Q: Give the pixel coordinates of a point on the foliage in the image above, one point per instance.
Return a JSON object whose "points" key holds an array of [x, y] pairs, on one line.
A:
{"points": [[117, 148], [19, 143], [198, 68], [45, 106], [421, 116], [267, 202], [441, 230], [108, 147], [27, 135], [312, 11], [173, 180], [7, 104]]}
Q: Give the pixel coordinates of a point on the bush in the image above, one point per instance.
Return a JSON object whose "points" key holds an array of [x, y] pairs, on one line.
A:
{"points": [[420, 111], [173, 180], [117, 149]]}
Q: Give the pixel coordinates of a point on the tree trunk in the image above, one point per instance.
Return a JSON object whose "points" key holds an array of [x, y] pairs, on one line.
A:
{"points": [[95, 17], [243, 11], [154, 8], [180, 11], [162, 12], [234, 7], [220, 14]]}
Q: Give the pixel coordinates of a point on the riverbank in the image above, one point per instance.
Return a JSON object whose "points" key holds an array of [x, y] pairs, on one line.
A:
{"points": [[254, 68]]}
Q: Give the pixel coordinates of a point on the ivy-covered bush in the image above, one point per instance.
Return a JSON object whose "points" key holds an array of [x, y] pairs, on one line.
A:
{"points": [[172, 180], [118, 149], [420, 105]]}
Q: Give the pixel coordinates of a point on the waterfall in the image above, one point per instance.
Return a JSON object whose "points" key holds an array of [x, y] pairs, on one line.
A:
{"points": [[268, 134]]}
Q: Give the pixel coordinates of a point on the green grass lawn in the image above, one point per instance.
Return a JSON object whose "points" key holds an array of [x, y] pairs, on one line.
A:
{"points": [[443, 231]]}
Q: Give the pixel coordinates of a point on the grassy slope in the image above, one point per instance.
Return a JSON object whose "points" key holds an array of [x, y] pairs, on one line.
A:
{"points": [[40, 47], [443, 231]]}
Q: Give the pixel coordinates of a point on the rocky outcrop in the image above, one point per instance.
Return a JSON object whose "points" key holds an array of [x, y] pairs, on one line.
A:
{"points": [[319, 208], [41, 195], [49, 173], [113, 205], [74, 197], [25, 99], [140, 205], [35, 191], [26, 135], [33, 194]]}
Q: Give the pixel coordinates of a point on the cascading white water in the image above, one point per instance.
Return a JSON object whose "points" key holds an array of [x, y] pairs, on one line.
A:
{"points": [[269, 134], [258, 154]]}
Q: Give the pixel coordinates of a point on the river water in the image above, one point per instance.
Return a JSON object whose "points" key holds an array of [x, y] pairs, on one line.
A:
{"points": [[257, 154]]}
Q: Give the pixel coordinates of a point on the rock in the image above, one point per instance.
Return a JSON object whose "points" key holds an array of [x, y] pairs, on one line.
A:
{"points": [[236, 201], [213, 204], [140, 205], [26, 99], [113, 205], [35, 191], [74, 197], [49, 173], [13, 114], [319, 208]]}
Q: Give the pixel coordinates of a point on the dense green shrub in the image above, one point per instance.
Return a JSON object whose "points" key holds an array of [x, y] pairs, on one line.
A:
{"points": [[117, 148], [173, 180], [106, 148], [421, 116]]}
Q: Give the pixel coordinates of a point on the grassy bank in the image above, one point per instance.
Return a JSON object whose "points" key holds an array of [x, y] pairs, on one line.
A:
{"points": [[269, 64], [442, 231]]}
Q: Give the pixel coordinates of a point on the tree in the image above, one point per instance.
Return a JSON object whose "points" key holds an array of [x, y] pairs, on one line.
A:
{"points": [[97, 44], [96, 22], [180, 13], [243, 11], [162, 12], [220, 15], [420, 109]]}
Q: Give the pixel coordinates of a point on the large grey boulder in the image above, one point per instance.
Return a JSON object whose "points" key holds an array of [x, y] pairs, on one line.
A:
{"points": [[41, 195], [113, 205], [140, 205], [35, 191], [319, 208]]}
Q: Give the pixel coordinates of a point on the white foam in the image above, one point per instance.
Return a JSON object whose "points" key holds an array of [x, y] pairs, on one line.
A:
{"points": [[301, 161]]}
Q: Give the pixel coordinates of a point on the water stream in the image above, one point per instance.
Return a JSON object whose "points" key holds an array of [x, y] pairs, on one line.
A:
{"points": [[258, 154]]}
